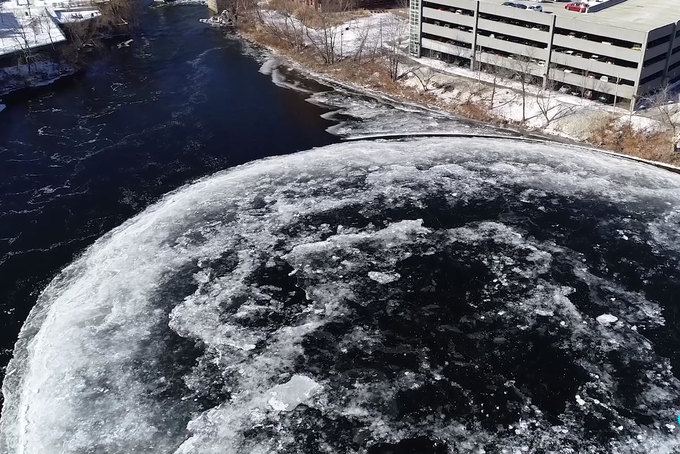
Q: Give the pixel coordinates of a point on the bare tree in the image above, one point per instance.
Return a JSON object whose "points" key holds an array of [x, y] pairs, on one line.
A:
{"points": [[522, 68], [551, 108], [22, 37], [664, 104], [324, 38], [423, 74], [86, 35], [498, 73], [121, 12], [283, 24], [394, 29], [368, 47], [48, 25]]}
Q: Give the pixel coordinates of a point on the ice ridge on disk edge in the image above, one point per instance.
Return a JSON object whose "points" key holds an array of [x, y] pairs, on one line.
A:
{"points": [[430, 295]]}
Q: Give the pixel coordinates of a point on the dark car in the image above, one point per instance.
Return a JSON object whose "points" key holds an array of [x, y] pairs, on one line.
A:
{"points": [[515, 5]]}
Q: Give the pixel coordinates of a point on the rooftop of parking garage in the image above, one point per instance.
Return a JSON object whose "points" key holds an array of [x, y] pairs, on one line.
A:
{"points": [[640, 15]]}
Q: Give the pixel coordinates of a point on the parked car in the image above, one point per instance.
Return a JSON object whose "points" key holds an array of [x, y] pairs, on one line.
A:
{"points": [[577, 6], [514, 5]]}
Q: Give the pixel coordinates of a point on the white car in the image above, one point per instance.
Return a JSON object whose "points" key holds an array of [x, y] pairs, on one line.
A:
{"points": [[537, 8]]}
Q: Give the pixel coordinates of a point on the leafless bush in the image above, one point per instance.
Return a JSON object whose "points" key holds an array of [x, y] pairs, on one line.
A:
{"points": [[663, 104], [551, 108], [620, 135]]}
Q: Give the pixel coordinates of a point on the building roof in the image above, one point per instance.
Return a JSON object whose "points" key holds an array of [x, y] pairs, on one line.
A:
{"points": [[22, 29], [640, 15]]}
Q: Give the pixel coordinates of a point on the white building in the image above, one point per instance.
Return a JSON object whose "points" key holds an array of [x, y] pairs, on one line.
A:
{"points": [[34, 24], [23, 28], [618, 49]]}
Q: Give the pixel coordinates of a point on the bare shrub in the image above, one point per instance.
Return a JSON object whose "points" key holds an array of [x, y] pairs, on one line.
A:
{"points": [[619, 135], [551, 108], [664, 107]]}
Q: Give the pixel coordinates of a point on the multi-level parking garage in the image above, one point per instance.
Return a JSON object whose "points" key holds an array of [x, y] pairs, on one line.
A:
{"points": [[619, 50]]}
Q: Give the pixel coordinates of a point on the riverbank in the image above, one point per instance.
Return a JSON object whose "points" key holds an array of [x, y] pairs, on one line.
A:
{"points": [[52, 44], [367, 52], [16, 79]]}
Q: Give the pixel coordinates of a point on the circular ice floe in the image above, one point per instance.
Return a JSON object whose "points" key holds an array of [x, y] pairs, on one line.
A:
{"points": [[432, 296]]}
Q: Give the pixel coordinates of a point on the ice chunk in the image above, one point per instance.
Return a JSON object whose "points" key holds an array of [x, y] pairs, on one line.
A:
{"points": [[383, 278], [606, 319], [299, 389], [269, 66]]}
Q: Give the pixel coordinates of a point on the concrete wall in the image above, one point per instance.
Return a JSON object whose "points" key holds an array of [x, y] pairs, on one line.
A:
{"points": [[415, 15], [591, 28], [217, 6], [446, 48], [593, 66], [593, 47], [604, 5], [447, 16]]}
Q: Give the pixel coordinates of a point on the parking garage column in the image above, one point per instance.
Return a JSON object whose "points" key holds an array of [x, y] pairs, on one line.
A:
{"points": [[671, 46], [415, 27], [546, 75], [473, 60], [638, 76]]}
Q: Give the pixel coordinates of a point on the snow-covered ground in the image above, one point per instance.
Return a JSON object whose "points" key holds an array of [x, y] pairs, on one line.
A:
{"points": [[538, 109], [547, 110], [40, 74], [66, 17], [356, 36], [180, 2], [23, 28]]}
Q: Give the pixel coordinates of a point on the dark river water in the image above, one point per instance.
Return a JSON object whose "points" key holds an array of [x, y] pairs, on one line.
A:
{"points": [[79, 158], [487, 293]]}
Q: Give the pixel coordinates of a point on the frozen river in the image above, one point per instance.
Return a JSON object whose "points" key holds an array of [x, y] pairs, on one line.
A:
{"points": [[425, 295]]}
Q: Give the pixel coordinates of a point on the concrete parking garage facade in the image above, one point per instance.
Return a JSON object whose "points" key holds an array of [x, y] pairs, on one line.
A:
{"points": [[620, 50]]}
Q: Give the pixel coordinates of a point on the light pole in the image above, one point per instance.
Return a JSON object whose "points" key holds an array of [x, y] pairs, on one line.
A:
{"points": [[616, 91], [342, 32]]}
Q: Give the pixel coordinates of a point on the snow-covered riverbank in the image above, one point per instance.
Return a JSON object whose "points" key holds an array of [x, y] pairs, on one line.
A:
{"points": [[39, 74], [369, 40]]}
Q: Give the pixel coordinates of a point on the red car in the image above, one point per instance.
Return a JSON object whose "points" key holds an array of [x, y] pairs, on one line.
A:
{"points": [[578, 7]]}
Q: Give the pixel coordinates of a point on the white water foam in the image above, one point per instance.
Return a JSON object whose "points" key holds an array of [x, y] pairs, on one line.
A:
{"points": [[359, 115], [74, 384]]}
